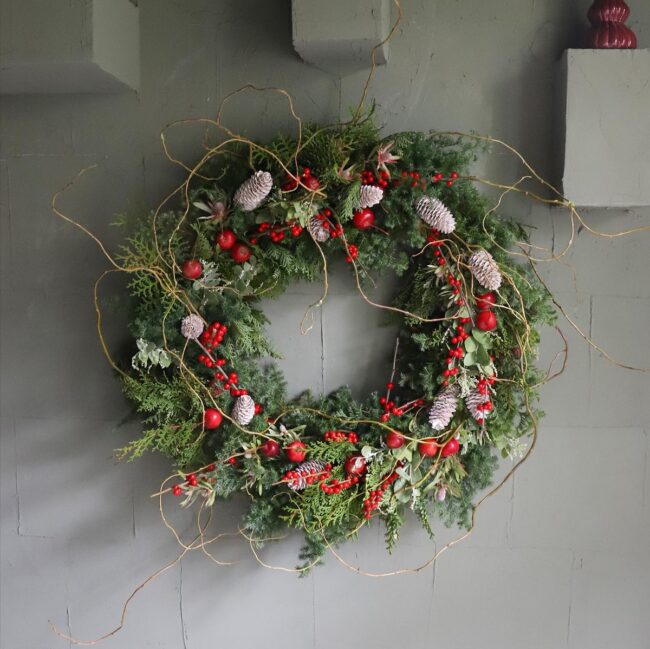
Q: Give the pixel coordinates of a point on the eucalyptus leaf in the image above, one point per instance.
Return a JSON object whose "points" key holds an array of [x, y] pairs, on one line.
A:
{"points": [[470, 344], [366, 451], [469, 359]]}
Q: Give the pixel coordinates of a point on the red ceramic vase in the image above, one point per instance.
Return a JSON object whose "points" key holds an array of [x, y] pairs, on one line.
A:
{"points": [[608, 29]]}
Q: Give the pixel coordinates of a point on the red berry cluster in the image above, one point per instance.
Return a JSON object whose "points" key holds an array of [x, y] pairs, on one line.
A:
{"points": [[455, 284], [311, 182], [391, 409], [456, 352], [483, 387], [324, 216], [353, 253], [192, 480], [337, 486], [415, 178], [294, 477], [374, 499], [437, 177], [227, 241], [277, 232], [211, 338], [436, 242], [369, 178], [340, 436]]}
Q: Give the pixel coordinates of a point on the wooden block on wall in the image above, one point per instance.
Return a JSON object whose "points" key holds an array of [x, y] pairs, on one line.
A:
{"points": [[337, 35], [81, 46], [606, 127]]}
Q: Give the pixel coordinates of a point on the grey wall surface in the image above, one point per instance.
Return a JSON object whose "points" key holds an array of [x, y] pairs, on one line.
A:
{"points": [[559, 558]]}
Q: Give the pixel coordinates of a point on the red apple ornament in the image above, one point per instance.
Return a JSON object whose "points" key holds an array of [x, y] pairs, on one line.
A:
{"points": [[428, 447], [296, 451], [363, 219], [355, 465], [484, 302], [240, 253], [212, 418], [450, 448], [486, 321], [191, 269], [226, 239], [394, 439], [270, 448]]}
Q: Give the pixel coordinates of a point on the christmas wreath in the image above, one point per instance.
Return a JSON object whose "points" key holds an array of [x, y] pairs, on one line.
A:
{"points": [[253, 219]]}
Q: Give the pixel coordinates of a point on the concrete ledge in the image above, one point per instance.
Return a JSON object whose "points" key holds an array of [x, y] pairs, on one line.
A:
{"points": [[74, 47], [606, 132], [337, 36]]}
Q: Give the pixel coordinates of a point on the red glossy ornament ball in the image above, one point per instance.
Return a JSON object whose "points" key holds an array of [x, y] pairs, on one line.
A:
{"points": [[428, 447], [450, 448], [394, 439], [355, 465], [226, 239], [484, 302], [212, 418], [296, 451], [486, 321], [192, 269], [364, 219], [270, 448], [240, 253], [311, 182]]}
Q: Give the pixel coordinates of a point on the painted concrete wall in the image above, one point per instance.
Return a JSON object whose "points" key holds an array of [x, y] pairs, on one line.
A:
{"points": [[559, 558]]}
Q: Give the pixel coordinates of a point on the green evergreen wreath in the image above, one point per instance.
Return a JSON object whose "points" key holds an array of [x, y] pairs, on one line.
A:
{"points": [[257, 217]]}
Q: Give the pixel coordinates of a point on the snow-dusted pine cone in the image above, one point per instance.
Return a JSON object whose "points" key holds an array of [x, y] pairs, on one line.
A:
{"points": [[318, 230], [253, 191], [297, 478], [192, 326], [485, 269], [473, 401], [369, 196], [244, 410], [443, 408], [436, 214]]}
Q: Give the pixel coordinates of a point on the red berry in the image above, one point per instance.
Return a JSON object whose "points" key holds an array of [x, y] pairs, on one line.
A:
{"points": [[270, 448], [355, 465], [484, 302], [176, 490], [486, 321], [364, 219], [450, 448], [296, 451], [212, 418], [240, 253], [192, 269], [394, 439], [428, 447], [226, 239]]}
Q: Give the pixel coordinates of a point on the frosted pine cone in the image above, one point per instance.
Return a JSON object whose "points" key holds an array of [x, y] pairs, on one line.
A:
{"points": [[253, 191], [244, 410], [299, 478], [318, 230], [436, 214], [192, 326], [369, 196], [475, 402], [485, 269], [443, 408]]}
